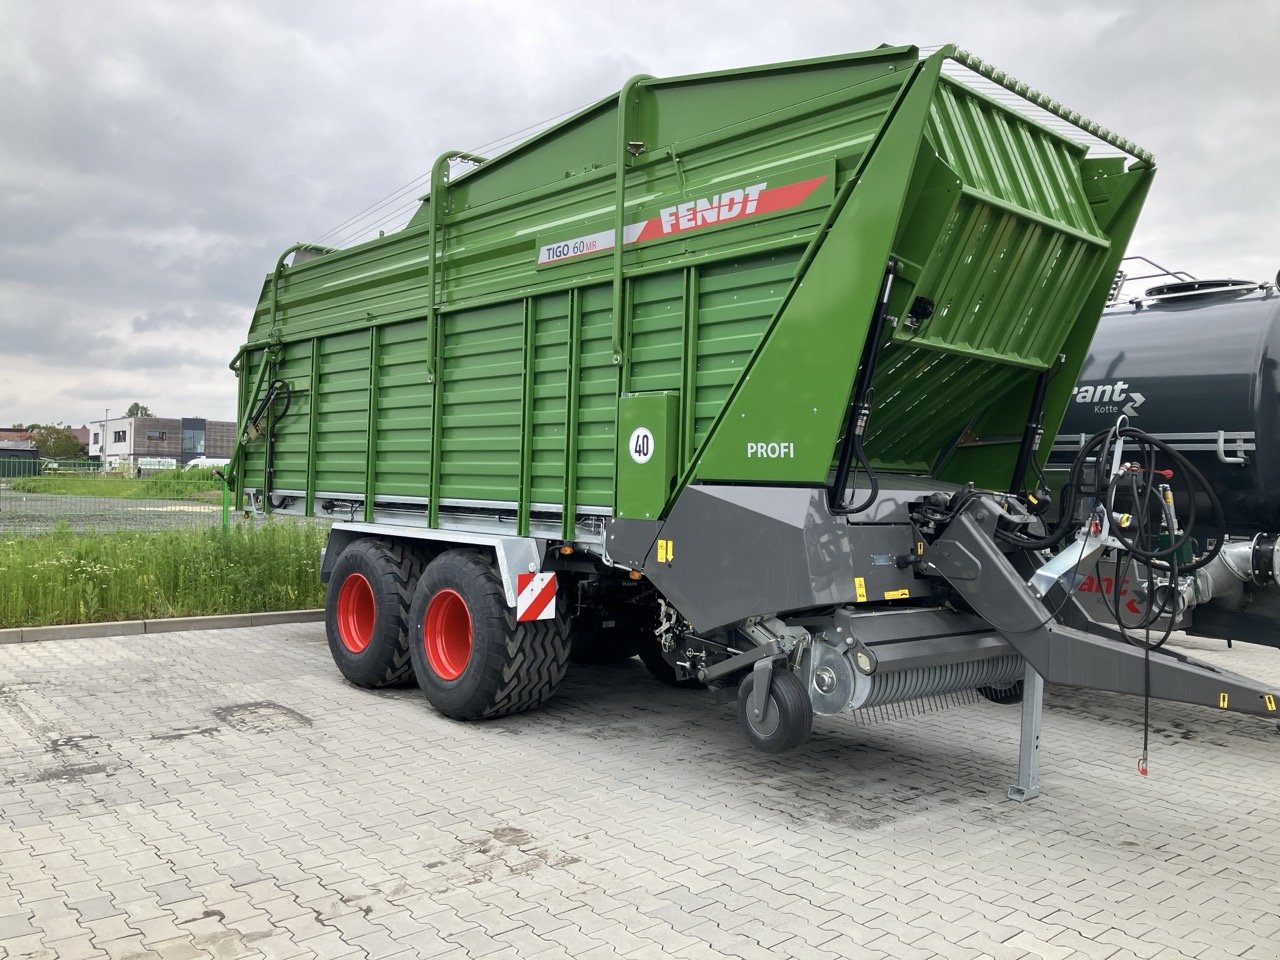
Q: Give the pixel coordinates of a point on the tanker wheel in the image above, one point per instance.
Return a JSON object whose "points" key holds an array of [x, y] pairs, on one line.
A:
{"points": [[787, 717], [650, 652], [1005, 696], [367, 609], [471, 656]]}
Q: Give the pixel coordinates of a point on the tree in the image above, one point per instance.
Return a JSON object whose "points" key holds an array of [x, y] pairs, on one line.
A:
{"points": [[137, 409], [57, 442]]}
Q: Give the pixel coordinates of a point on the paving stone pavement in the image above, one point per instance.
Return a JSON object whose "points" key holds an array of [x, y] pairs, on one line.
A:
{"points": [[225, 794]]}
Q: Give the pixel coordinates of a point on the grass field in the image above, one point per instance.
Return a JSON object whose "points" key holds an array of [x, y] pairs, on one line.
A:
{"points": [[75, 577], [196, 483]]}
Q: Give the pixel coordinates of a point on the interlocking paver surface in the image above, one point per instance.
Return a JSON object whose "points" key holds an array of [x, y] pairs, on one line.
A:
{"points": [[225, 794]]}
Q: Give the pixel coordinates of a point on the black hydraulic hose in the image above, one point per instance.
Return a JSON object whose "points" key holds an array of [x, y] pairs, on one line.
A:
{"points": [[1066, 507], [860, 406], [873, 490], [268, 481], [1160, 558], [1031, 432]]}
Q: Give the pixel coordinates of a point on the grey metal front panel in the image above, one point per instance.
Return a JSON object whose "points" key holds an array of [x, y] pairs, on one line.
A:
{"points": [[730, 552]]}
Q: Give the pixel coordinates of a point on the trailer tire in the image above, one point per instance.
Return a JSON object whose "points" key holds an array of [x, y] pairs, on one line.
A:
{"points": [[788, 717], [367, 609], [1005, 696], [471, 657]]}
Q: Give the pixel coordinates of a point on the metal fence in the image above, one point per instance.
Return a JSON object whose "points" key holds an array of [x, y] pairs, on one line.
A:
{"points": [[40, 496]]}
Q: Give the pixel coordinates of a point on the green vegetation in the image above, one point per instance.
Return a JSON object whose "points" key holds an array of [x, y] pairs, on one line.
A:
{"points": [[56, 440], [196, 483], [68, 577]]}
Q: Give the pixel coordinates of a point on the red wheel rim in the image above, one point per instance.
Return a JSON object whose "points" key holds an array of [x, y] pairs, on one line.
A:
{"points": [[357, 613], [446, 634]]}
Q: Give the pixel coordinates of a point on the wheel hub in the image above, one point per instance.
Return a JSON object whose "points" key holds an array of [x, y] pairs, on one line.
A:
{"points": [[446, 634], [357, 613]]}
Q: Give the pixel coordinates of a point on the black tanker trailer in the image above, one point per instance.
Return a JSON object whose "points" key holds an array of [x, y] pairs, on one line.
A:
{"points": [[1193, 363]]}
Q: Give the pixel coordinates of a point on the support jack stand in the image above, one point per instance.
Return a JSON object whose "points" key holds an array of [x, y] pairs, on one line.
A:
{"points": [[1028, 785]]}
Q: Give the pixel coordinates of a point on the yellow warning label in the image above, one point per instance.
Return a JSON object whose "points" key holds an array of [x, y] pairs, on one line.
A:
{"points": [[666, 552], [919, 548], [860, 589], [1270, 701], [897, 594], [1222, 701]]}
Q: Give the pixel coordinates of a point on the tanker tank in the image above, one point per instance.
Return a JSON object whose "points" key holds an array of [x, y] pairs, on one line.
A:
{"points": [[1194, 363]]}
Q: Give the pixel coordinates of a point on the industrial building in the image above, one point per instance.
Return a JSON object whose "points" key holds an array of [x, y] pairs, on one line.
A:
{"points": [[159, 443]]}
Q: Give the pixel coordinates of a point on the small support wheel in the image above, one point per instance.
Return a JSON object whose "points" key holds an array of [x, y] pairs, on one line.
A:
{"points": [[787, 716]]}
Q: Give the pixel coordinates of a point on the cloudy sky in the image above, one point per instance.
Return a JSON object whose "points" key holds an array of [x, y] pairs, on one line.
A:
{"points": [[155, 157]]}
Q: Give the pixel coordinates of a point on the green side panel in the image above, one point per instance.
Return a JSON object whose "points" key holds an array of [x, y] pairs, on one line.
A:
{"points": [[403, 433], [984, 452], [482, 372], [797, 385], [343, 410], [736, 301], [649, 453], [292, 453], [906, 432], [656, 324], [550, 389], [597, 400]]}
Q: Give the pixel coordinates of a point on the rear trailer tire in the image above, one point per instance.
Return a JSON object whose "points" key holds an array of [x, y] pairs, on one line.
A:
{"points": [[788, 714], [1005, 696], [367, 611], [471, 656]]}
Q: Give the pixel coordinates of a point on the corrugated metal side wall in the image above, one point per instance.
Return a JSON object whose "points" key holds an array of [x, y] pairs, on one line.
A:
{"points": [[512, 418]]}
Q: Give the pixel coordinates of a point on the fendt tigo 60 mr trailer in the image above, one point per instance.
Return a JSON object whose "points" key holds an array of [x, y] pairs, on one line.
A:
{"points": [[744, 372]]}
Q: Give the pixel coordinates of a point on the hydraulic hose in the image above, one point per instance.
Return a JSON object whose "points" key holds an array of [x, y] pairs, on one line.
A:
{"points": [[860, 407], [1160, 557]]}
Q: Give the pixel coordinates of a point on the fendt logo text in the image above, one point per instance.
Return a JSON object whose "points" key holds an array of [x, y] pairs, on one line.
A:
{"points": [[715, 209]]}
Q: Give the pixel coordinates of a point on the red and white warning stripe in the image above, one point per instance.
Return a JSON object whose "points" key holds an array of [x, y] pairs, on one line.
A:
{"points": [[536, 599]]}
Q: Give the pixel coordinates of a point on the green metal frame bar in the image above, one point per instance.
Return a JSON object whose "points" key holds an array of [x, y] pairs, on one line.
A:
{"points": [[313, 415], [526, 423], [619, 205], [437, 401], [435, 336], [438, 199], [689, 373], [240, 365], [371, 445], [572, 399]]}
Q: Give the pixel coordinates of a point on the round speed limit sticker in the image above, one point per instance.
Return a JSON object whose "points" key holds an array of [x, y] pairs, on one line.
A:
{"points": [[641, 444]]}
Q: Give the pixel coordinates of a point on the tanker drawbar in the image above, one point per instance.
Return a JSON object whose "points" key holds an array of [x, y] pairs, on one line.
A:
{"points": [[745, 374]]}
